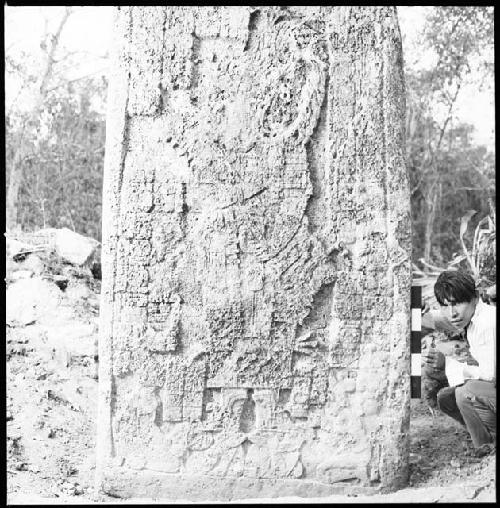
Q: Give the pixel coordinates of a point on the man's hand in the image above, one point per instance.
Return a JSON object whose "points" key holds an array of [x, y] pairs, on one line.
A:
{"points": [[425, 307], [434, 359]]}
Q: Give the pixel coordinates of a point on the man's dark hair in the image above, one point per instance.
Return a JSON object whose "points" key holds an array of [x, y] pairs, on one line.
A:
{"points": [[456, 286]]}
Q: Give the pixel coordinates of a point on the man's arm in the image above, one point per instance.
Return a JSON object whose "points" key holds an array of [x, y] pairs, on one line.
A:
{"points": [[455, 371], [434, 319], [486, 358], [485, 354]]}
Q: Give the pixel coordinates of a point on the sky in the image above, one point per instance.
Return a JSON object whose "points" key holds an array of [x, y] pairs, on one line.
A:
{"points": [[87, 33], [473, 106], [89, 29]]}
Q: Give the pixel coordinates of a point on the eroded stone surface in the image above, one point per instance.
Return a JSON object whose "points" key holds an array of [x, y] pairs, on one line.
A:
{"points": [[256, 269]]}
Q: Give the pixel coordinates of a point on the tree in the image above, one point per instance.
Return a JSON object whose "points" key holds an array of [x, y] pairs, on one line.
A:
{"points": [[54, 127], [256, 250], [62, 181], [50, 45], [448, 173]]}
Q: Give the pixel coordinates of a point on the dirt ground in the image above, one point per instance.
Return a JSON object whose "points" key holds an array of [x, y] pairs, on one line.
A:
{"points": [[51, 422]]}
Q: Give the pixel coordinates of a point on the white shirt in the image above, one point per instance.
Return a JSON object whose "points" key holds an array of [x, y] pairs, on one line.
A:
{"points": [[481, 335]]}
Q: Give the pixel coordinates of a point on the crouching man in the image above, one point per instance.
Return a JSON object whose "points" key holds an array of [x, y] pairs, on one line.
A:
{"points": [[471, 397]]}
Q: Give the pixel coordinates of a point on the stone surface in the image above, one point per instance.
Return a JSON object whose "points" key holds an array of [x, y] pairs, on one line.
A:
{"points": [[29, 299], [75, 339], [256, 254], [21, 274], [73, 247], [14, 247], [34, 264]]}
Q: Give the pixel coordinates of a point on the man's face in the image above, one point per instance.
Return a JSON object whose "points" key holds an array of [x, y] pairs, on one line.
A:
{"points": [[459, 314]]}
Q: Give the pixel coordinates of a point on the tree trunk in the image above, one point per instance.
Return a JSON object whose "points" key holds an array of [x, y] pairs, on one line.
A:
{"points": [[256, 254], [11, 199], [431, 205]]}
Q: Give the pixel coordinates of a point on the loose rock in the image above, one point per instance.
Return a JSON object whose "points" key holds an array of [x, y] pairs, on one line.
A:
{"points": [[74, 248]]}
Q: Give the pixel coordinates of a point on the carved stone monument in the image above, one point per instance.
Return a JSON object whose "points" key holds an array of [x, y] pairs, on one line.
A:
{"points": [[256, 254]]}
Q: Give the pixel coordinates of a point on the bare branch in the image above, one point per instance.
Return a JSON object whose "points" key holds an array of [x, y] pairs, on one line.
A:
{"points": [[50, 58], [74, 80]]}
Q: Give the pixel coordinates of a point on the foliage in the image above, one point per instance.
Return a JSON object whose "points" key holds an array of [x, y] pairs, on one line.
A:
{"points": [[62, 177], [457, 34], [481, 255], [55, 131], [449, 174], [479, 259]]}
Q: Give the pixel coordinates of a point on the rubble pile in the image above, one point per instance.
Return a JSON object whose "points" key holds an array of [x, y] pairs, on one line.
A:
{"points": [[52, 296], [52, 309]]}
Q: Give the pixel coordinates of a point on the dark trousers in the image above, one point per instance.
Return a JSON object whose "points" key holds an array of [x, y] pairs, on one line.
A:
{"points": [[474, 405]]}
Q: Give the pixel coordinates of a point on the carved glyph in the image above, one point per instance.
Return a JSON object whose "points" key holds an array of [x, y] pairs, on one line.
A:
{"points": [[257, 222]]}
